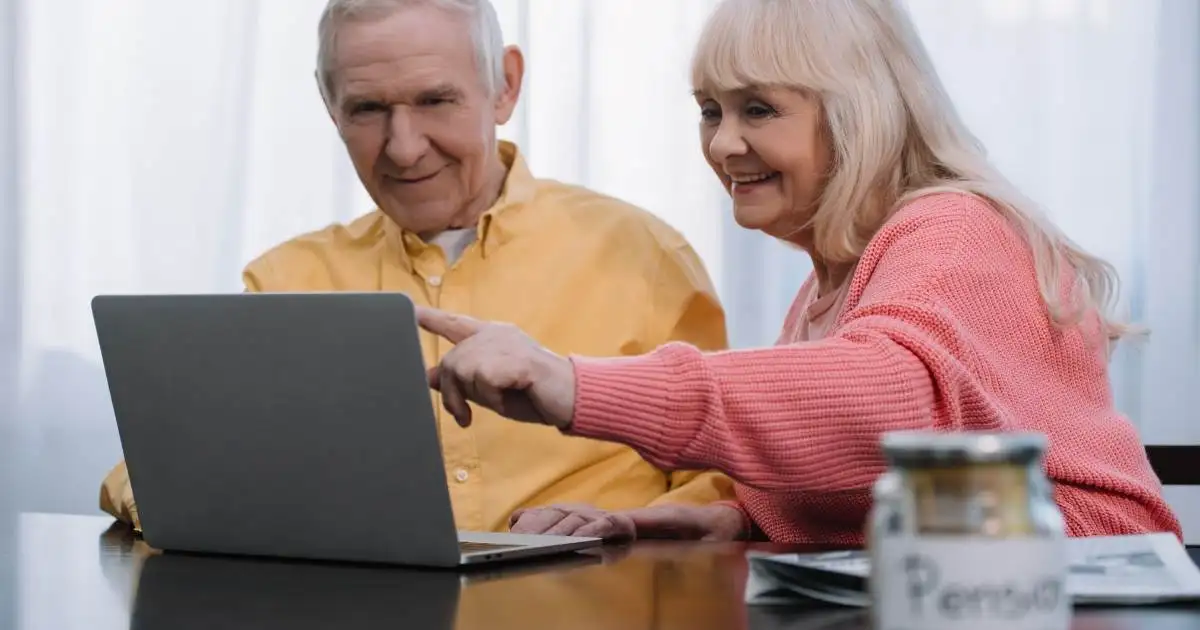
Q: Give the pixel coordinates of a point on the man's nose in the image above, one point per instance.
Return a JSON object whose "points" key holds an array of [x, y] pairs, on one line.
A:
{"points": [[727, 141], [406, 141]]}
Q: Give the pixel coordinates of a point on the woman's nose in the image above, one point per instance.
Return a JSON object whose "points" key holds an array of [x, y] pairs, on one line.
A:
{"points": [[726, 141]]}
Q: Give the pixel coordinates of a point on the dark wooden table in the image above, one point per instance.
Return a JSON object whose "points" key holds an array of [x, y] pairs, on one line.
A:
{"points": [[65, 572]]}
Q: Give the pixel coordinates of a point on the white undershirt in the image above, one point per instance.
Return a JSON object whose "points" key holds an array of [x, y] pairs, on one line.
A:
{"points": [[454, 243]]}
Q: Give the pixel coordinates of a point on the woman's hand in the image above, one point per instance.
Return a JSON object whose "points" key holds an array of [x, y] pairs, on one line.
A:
{"points": [[716, 522], [501, 368]]}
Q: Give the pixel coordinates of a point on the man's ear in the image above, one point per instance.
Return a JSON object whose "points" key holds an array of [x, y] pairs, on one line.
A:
{"points": [[508, 94]]}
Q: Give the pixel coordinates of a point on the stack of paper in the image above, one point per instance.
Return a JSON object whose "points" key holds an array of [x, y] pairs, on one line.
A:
{"points": [[1106, 570]]}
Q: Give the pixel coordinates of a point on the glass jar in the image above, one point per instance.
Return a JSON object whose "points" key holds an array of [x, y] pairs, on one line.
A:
{"points": [[964, 532]]}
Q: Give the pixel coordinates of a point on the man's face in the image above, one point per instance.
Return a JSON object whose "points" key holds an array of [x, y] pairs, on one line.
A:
{"points": [[409, 102]]}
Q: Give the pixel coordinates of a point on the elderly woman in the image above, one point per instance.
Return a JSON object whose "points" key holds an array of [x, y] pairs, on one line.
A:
{"points": [[940, 300]]}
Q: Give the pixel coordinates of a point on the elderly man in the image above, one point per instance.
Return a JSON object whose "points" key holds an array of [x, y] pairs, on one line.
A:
{"points": [[416, 89]]}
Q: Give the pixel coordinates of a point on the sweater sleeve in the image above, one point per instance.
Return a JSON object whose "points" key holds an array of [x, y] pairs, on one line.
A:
{"points": [[801, 416], [806, 416], [683, 307]]}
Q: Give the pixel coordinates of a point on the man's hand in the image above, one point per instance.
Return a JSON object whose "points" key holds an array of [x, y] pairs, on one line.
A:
{"points": [[499, 367], [116, 497], [681, 522]]}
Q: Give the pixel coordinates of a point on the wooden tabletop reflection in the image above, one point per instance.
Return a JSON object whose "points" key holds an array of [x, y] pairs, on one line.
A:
{"points": [[115, 581]]}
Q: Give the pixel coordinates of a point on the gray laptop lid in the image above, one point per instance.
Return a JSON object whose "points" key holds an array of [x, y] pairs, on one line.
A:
{"points": [[295, 425]]}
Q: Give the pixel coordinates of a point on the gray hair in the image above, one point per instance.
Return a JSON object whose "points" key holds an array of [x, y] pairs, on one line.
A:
{"points": [[895, 131], [485, 34]]}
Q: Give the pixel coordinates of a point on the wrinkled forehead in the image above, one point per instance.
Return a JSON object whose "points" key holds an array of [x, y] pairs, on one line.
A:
{"points": [[417, 45]]}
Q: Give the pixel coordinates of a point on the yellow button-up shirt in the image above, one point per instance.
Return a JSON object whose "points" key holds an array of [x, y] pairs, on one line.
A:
{"points": [[579, 272]]}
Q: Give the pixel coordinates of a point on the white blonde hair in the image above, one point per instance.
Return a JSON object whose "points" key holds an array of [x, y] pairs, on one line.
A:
{"points": [[895, 133], [481, 15]]}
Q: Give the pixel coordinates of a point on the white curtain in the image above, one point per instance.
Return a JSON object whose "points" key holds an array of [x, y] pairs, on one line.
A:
{"points": [[161, 145], [9, 309]]}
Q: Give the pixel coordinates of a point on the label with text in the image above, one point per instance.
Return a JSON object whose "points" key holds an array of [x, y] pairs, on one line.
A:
{"points": [[967, 582]]}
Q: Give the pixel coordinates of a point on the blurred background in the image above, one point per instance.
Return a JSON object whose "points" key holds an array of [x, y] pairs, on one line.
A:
{"points": [[157, 146]]}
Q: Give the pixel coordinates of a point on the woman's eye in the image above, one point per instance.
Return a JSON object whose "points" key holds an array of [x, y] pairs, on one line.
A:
{"points": [[710, 114], [759, 110]]}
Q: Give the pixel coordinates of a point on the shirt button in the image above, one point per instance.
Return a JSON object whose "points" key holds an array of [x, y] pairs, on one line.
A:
{"points": [[435, 281], [461, 475]]}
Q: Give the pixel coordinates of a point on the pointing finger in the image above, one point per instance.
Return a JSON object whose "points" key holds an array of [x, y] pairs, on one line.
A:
{"points": [[450, 326]]}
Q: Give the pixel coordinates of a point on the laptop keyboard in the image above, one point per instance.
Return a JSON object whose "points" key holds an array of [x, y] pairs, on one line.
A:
{"points": [[472, 547]]}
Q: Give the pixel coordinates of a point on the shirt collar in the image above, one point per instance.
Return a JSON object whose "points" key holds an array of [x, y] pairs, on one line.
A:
{"points": [[519, 189]]}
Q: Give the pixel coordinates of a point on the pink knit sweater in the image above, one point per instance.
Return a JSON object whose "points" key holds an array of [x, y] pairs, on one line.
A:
{"points": [[942, 328]]}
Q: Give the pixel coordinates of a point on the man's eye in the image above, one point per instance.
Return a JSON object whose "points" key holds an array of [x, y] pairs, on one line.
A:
{"points": [[435, 101], [367, 108]]}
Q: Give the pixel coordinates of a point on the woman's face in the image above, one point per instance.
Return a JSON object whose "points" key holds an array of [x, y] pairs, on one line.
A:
{"points": [[768, 146]]}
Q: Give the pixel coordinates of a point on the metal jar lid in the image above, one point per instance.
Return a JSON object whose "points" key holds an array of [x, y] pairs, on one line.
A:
{"points": [[926, 449]]}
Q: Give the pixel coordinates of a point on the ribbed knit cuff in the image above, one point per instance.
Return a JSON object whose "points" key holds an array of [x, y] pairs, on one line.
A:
{"points": [[621, 400]]}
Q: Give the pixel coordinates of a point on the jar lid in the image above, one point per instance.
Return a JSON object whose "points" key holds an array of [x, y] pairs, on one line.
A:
{"points": [[924, 449]]}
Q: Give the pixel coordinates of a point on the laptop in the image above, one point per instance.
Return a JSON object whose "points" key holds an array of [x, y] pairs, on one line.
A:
{"points": [[292, 425]]}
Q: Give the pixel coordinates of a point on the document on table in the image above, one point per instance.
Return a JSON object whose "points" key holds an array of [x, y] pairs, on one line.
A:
{"points": [[1105, 570]]}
